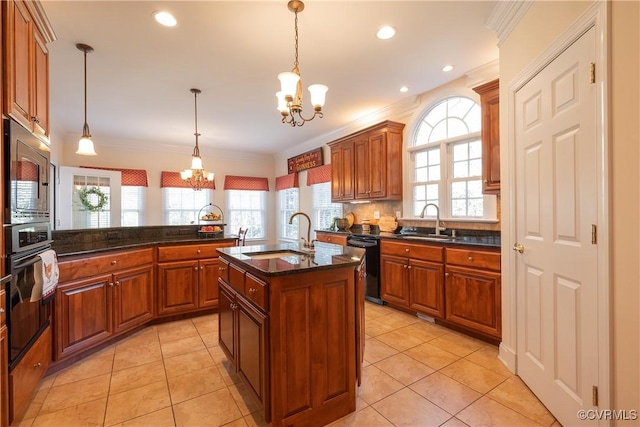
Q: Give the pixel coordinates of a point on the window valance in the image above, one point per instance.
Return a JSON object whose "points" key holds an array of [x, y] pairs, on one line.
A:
{"points": [[246, 183], [130, 177], [287, 181], [173, 179], [319, 175]]}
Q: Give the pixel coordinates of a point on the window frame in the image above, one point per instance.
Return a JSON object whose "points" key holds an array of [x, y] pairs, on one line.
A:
{"points": [[195, 210], [140, 210], [255, 232], [315, 220], [283, 215]]}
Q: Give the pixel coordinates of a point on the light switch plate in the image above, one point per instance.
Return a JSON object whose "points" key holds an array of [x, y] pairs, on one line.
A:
{"points": [[376, 215]]}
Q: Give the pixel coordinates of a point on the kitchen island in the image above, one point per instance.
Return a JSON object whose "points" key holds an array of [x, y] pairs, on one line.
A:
{"points": [[290, 323]]}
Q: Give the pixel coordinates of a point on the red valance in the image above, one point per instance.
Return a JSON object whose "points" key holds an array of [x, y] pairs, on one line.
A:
{"points": [[173, 179], [319, 175], [130, 177], [287, 181], [246, 183], [24, 171]]}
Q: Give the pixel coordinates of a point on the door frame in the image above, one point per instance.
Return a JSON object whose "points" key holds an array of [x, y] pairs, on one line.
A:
{"points": [[597, 16]]}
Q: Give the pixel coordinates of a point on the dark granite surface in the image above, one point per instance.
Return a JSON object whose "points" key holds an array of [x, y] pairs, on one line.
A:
{"points": [[486, 238], [326, 256], [89, 241]]}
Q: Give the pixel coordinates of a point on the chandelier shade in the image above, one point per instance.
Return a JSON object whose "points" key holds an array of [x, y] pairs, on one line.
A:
{"points": [[196, 177], [85, 144], [290, 94]]}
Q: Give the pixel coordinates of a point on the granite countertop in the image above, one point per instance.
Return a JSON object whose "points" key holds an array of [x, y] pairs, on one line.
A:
{"points": [[326, 256]]}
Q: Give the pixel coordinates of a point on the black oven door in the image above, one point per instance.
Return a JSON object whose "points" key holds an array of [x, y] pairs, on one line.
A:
{"points": [[26, 320]]}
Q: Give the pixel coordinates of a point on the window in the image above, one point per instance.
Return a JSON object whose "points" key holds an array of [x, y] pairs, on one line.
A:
{"points": [[323, 210], [247, 209], [288, 202], [84, 216], [181, 205], [447, 162], [132, 205]]}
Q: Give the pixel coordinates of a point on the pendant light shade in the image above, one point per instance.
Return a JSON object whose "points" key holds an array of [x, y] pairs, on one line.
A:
{"points": [[85, 145]]}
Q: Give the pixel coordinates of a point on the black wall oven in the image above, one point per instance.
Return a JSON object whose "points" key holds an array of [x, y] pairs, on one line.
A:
{"points": [[26, 180], [26, 320]]}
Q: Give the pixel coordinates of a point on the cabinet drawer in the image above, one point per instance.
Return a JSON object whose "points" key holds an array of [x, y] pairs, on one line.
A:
{"points": [[93, 265], [182, 252], [256, 290], [3, 309], [474, 258], [224, 269], [236, 277], [412, 250], [336, 239]]}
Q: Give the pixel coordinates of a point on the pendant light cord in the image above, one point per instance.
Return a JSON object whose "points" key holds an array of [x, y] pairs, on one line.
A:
{"points": [[196, 150]]}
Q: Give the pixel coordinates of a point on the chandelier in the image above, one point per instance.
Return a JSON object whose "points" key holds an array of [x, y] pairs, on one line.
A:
{"points": [[290, 95], [196, 177], [85, 145]]}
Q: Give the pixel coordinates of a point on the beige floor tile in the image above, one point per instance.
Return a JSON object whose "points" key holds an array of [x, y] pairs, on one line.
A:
{"points": [[475, 376], [182, 345], [194, 384], [375, 350], [457, 343], [246, 403], [136, 356], [75, 393], [137, 402], [147, 336], [176, 330], [47, 382], [137, 376], [368, 417], [445, 392], [161, 418], [211, 409], [454, 422], [488, 412], [404, 368], [360, 404], [377, 327], [81, 415], [425, 331], [206, 325], [26, 422], [514, 394], [217, 354], [399, 340], [407, 408], [237, 423], [487, 356], [398, 319], [228, 374], [432, 356], [90, 367], [36, 403], [188, 362], [376, 385], [210, 339], [255, 420]]}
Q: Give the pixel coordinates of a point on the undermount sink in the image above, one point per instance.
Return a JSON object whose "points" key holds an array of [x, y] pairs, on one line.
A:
{"points": [[275, 254], [434, 238]]}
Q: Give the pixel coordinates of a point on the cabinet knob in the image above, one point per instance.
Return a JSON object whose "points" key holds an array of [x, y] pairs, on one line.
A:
{"points": [[409, 268], [252, 290], [470, 258], [446, 274], [406, 250], [222, 268], [195, 268], [114, 262], [110, 283], [35, 119], [198, 250], [486, 181], [117, 283], [37, 365], [1, 310]]}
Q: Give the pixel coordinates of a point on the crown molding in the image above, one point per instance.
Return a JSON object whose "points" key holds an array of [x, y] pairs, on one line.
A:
{"points": [[505, 17]]}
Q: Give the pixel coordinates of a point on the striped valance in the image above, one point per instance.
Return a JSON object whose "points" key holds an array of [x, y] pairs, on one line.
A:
{"points": [[319, 175], [287, 181]]}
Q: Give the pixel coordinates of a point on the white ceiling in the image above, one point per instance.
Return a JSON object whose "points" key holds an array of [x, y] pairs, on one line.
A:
{"points": [[140, 73]]}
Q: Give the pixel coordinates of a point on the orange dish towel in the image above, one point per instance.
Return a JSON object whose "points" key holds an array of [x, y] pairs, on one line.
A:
{"points": [[45, 276]]}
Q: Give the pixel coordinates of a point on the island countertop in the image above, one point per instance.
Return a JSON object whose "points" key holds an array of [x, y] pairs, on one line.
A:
{"points": [[294, 258]]}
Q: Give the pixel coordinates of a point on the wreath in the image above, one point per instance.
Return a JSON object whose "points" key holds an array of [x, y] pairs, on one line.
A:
{"points": [[89, 202]]}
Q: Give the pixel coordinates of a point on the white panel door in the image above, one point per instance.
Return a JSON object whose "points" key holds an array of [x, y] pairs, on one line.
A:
{"points": [[556, 206]]}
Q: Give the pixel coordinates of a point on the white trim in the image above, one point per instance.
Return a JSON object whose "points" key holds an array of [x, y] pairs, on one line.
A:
{"points": [[596, 16], [506, 15]]}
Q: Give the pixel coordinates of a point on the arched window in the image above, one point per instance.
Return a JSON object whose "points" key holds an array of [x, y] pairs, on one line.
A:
{"points": [[447, 161]]}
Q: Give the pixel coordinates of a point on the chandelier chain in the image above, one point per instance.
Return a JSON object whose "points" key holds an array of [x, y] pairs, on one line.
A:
{"points": [[196, 150], [295, 63]]}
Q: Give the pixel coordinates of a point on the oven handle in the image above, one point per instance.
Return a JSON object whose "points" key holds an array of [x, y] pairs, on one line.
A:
{"points": [[28, 263]]}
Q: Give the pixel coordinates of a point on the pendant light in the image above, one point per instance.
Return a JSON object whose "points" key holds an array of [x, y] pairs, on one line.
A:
{"points": [[196, 177], [85, 145]]}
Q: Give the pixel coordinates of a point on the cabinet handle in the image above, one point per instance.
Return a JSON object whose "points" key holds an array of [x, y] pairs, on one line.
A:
{"points": [[222, 268], [409, 267], [252, 290], [1, 310], [37, 365], [111, 284], [470, 258], [114, 262], [35, 119], [117, 283]]}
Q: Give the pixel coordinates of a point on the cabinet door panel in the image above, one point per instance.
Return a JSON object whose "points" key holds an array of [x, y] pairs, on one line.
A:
{"points": [[177, 287], [83, 314], [361, 167], [132, 298], [252, 347], [378, 165], [394, 286], [348, 190], [473, 299], [426, 287], [19, 34], [227, 321], [209, 271], [40, 111]]}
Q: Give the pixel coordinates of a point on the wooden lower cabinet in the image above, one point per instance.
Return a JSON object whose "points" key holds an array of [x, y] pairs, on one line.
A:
{"points": [[177, 287], [90, 310], [26, 376]]}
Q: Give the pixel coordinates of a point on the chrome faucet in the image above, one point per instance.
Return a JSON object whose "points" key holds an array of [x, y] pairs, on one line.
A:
{"points": [[307, 243], [437, 216]]}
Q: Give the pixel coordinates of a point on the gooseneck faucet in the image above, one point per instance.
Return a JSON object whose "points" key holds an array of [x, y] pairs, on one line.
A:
{"points": [[307, 243], [437, 216]]}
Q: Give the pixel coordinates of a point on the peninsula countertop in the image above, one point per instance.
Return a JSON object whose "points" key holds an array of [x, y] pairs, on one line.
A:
{"points": [[292, 258]]}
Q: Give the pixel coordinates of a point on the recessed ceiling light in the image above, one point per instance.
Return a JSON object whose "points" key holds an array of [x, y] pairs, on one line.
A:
{"points": [[165, 18], [386, 32], [447, 68], [404, 89]]}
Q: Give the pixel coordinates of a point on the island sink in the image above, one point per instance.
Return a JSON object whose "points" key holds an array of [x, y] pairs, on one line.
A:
{"points": [[275, 254]]}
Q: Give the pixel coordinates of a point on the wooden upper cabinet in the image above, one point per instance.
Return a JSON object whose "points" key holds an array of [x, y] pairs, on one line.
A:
{"points": [[376, 159], [490, 106], [26, 84]]}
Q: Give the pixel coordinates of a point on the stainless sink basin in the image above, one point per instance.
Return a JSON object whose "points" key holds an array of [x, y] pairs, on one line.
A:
{"points": [[429, 238], [274, 254]]}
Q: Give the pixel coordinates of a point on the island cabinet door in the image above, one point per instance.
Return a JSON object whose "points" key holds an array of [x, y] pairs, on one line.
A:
{"points": [[426, 287], [83, 314], [132, 298], [177, 287], [393, 276], [227, 322], [208, 272]]}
